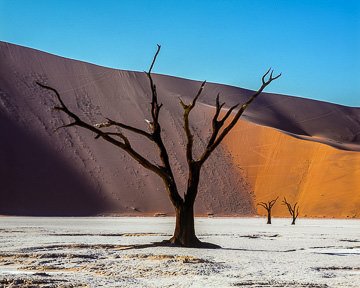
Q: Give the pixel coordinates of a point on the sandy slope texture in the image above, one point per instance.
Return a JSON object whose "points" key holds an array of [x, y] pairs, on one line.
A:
{"points": [[323, 180], [68, 172]]}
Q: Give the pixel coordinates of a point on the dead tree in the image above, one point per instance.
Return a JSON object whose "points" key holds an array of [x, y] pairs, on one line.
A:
{"points": [[294, 211], [184, 234], [268, 206]]}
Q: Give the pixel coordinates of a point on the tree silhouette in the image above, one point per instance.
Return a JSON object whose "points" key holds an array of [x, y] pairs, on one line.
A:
{"points": [[184, 234], [268, 206], [294, 211]]}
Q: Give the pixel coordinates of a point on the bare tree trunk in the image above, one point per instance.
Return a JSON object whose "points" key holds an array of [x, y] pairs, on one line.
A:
{"points": [[184, 234], [269, 217]]}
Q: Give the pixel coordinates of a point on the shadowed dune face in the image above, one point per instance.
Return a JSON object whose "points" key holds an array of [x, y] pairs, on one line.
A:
{"points": [[94, 177], [94, 93], [36, 181]]}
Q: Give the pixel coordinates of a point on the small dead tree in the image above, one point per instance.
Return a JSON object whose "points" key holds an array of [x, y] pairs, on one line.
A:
{"points": [[294, 211], [184, 234], [268, 206]]}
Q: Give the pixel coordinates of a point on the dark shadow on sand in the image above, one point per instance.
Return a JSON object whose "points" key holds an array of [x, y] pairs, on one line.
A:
{"points": [[35, 181]]}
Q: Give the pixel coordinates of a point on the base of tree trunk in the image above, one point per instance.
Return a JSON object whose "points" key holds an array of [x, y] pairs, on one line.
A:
{"points": [[269, 218], [196, 244]]}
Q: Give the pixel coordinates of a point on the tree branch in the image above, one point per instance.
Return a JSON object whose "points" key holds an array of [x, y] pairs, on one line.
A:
{"points": [[228, 113], [154, 59], [264, 205], [189, 136], [294, 212], [268, 205], [169, 180], [272, 202], [155, 107], [215, 140], [105, 135], [193, 167], [163, 171], [216, 124], [110, 123]]}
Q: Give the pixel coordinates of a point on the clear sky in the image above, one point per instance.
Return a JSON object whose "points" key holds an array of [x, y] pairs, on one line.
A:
{"points": [[314, 43]]}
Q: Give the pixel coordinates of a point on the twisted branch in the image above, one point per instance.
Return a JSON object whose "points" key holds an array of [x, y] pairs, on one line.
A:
{"points": [[268, 205], [216, 139], [125, 145], [294, 211], [164, 171], [189, 136]]}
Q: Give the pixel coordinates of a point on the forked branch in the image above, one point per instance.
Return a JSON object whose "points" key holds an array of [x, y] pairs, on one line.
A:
{"points": [[155, 107], [268, 206], [169, 180], [293, 210], [217, 125], [216, 137], [110, 123], [125, 144], [164, 171], [189, 136]]}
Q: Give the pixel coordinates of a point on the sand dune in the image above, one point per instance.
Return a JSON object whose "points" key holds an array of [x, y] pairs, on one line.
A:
{"points": [[324, 181], [70, 173]]}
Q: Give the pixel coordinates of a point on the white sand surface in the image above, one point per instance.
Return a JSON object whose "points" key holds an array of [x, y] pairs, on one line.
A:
{"points": [[113, 252]]}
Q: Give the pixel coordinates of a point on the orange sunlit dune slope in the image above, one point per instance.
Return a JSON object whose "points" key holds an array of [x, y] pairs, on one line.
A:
{"points": [[323, 180]]}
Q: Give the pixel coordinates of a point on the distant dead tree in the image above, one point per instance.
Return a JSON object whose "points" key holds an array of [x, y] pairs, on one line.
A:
{"points": [[268, 206], [184, 234], [294, 211]]}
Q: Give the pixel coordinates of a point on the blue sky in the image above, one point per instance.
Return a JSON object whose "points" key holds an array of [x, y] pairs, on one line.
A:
{"points": [[314, 43]]}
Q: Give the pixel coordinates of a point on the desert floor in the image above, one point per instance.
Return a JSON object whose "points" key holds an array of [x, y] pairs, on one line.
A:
{"points": [[114, 252]]}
